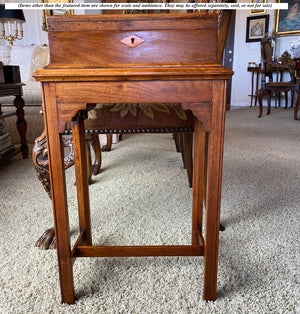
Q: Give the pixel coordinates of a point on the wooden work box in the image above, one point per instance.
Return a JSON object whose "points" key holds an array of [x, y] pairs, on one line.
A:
{"points": [[135, 59]]}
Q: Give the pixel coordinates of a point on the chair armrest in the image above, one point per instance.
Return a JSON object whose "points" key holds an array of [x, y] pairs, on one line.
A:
{"points": [[283, 67], [279, 65]]}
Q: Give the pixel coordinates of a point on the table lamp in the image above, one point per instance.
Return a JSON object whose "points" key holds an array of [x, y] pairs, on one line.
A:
{"points": [[11, 24]]}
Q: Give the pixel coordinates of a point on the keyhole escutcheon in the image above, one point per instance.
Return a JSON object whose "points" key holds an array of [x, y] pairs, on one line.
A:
{"points": [[132, 40]]}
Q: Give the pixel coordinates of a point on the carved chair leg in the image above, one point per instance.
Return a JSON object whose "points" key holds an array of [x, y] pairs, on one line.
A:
{"points": [[97, 150], [184, 145], [277, 97], [40, 161], [176, 139], [88, 159], [269, 102], [188, 155], [107, 147], [259, 97], [297, 106], [181, 148]]}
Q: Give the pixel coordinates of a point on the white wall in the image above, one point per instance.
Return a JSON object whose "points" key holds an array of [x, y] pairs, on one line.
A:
{"points": [[250, 52], [20, 52], [33, 34], [243, 52]]}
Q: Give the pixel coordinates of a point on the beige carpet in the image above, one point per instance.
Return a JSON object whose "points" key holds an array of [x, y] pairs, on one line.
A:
{"points": [[259, 250]]}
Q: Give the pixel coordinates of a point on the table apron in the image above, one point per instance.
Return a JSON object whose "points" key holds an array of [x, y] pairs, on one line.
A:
{"points": [[196, 95], [134, 91]]}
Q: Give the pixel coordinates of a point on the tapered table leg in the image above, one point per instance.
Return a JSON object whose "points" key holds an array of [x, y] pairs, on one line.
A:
{"points": [[213, 190], [59, 198], [82, 179], [198, 181], [188, 155]]}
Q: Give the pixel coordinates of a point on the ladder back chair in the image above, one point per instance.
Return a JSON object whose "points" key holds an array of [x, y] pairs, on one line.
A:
{"points": [[268, 85]]}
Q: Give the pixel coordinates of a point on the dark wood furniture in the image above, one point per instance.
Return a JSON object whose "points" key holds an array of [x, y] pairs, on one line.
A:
{"points": [[255, 72], [268, 86], [165, 58], [15, 89], [297, 73]]}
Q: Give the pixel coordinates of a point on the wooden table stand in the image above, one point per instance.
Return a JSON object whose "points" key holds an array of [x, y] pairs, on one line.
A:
{"points": [[16, 89], [176, 62]]}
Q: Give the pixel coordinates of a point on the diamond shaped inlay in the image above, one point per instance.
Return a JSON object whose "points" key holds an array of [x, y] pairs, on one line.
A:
{"points": [[132, 40]]}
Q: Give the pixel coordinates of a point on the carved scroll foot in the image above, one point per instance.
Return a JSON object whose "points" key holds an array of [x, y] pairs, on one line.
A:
{"points": [[47, 240], [96, 169]]}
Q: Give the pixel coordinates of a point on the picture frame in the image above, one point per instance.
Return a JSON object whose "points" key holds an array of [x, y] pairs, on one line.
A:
{"points": [[54, 12], [287, 22], [258, 11], [257, 27]]}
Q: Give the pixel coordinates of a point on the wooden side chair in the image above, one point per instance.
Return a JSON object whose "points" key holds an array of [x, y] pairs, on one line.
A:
{"points": [[268, 85], [297, 72]]}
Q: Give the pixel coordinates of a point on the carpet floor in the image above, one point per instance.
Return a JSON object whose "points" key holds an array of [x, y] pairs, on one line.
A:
{"points": [[259, 250]]}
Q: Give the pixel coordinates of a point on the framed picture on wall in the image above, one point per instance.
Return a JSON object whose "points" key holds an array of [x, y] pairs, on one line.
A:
{"points": [[257, 11], [287, 22], [257, 27], [55, 11]]}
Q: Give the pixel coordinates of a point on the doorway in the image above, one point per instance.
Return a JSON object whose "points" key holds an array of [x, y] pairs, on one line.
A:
{"points": [[228, 56]]}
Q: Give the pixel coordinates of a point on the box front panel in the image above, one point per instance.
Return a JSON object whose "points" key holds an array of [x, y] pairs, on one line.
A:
{"points": [[161, 46]]}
